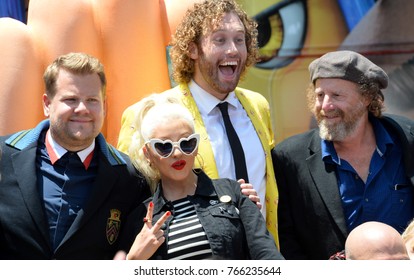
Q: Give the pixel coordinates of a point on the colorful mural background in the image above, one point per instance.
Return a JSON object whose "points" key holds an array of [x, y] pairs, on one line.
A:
{"points": [[131, 38]]}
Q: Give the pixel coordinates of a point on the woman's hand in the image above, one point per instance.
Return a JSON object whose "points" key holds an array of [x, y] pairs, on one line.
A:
{"points": [[150, 237]]}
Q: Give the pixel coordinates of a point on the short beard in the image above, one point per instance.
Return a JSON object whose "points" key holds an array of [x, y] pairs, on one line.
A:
{"points": [[339, 132], [336, 132], [210, 74]]}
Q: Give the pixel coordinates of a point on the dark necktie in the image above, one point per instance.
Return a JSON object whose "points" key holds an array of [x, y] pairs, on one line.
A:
{"points": [[236, 147]]}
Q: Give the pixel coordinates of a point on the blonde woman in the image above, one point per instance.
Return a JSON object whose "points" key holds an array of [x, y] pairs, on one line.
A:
{"points": [[189, 216]]}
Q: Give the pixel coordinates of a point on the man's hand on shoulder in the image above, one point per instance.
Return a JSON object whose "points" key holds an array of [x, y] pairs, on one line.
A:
{"points": [[248, 190]]}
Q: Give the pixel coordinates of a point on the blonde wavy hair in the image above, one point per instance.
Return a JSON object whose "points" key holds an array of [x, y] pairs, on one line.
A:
{"points": [[155, 109], [199, 21], [408, 233]]}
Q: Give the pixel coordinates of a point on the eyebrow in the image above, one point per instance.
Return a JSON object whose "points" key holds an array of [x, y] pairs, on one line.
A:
{"points": [[240, 30]]}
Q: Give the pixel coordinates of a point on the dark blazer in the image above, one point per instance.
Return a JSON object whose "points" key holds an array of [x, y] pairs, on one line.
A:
{"points": [[311, 220], [24, 229]]}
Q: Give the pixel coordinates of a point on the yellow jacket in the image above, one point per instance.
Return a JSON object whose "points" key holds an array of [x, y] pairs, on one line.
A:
{"points": [[257, 109]]}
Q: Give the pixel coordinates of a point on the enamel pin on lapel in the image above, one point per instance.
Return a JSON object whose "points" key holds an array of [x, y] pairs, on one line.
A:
{"points": [[225, 198]]}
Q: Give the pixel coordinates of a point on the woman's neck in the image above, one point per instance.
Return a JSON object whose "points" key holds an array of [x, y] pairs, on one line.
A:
{"points": [[174, 190]]}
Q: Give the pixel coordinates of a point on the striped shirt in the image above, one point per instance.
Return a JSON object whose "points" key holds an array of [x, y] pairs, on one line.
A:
{"points": [[187, 239]]}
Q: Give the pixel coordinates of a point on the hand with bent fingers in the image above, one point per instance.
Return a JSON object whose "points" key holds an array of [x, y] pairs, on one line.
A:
{"points": [[248, 190], [150, 238]]}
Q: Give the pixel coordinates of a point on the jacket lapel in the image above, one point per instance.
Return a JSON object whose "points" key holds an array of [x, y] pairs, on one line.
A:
{"points": [[405, 131], [24, 162], [258, 124], [324, 178], [208, 163]]}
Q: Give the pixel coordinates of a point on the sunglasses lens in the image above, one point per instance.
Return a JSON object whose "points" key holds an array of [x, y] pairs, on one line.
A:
{"points": [[188, 146], [164, 149]]}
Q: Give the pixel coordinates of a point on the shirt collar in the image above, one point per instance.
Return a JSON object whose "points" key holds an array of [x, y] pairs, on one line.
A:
{"points": [[382, 138], [205, 188], [206, 102], [56, 151], [329, 153]]}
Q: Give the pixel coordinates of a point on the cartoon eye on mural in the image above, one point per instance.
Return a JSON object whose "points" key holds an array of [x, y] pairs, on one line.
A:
{"points": [[282, 30], [291, 34]]}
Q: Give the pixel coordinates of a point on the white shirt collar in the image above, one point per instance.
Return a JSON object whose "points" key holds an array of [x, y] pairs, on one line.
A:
{"points": [[206, 102], [60, 151]]}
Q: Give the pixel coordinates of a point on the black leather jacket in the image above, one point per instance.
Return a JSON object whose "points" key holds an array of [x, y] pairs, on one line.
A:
{"points": [[235, 230]]}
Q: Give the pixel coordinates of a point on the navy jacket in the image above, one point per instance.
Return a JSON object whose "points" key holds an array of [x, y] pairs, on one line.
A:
{"points": [[24, 230]]}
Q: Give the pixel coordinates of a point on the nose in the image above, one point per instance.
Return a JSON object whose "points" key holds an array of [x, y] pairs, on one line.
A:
{"points": [[327, 103], [231, 48], [81, 107], [176, 150]]}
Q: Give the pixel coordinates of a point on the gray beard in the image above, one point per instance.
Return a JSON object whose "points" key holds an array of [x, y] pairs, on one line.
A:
{"points": [[337, 132], [343, 129]]}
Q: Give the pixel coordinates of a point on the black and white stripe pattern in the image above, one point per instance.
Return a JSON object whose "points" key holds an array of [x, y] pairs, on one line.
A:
{"points": [[186, 238]]}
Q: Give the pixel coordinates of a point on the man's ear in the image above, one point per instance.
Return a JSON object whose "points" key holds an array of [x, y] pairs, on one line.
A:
{"points": [[366, 101], [105, 107], [193, 50], [46, 105]]}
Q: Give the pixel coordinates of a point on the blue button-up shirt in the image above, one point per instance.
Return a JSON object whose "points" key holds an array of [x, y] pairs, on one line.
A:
{"points": [[386, 196]]}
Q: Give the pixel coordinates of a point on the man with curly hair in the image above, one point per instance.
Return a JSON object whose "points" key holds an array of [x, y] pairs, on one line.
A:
{"points": [[211, 50]]}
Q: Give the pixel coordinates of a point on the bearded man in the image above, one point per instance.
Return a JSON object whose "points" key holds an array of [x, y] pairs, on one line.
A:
{"points": [[357, 166]]}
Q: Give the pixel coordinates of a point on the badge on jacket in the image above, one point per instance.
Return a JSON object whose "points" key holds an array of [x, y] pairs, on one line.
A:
{"points": [[113, 226], [225, 198]]}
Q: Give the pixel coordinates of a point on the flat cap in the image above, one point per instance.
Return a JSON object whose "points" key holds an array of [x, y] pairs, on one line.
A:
{"points": [[347, 65]]}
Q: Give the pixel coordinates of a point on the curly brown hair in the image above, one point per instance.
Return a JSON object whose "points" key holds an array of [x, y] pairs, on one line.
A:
{"points": [[198, 21]]}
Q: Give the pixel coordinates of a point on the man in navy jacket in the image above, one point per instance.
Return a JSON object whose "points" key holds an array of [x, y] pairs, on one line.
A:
{"points": [[65, 193]]}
